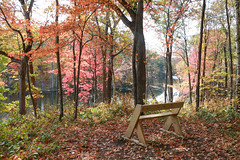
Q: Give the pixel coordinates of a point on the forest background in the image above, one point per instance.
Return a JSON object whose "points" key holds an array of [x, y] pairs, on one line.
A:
{"points": [[89, 61]]}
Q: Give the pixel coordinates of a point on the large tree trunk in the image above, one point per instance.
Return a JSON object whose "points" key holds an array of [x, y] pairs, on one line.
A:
{"points": [[22, 107], [141, 55], [136, 26], [237, 5], [199, 57], [24, 61], [134, 71]]}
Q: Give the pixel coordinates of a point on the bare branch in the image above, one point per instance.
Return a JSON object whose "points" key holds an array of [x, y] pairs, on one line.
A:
{"points": [[121, 50], [88, 40], [12, 58], [30, 6], [124, 19], [23, 6], [130, 9]]}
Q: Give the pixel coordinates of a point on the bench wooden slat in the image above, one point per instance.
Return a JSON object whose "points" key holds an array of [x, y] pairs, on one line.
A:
{"points": [[155, 107], [150, 116]]}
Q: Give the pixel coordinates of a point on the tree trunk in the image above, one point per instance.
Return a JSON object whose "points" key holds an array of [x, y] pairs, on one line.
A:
{"points": [[30, 91], [166, 80], [24, 61], [187, 62], [95, 77], [199, 57], [104, 51], [204, 60], [104, 75], [136, 26], [59, 67], [32, 78], [230, 51], [237, 5], [78, 74], [104, 54], [134, 71], [170, 72], [22, 107], [225, 66], [141, 55], [74, 79], [109, 76]]}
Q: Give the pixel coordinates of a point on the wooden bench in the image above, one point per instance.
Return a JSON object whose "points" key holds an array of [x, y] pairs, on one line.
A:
{"points": [[136, 119]]}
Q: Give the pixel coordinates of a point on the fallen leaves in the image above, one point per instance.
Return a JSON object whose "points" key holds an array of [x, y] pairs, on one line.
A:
{"points": [[102, 141], [83, 140]]}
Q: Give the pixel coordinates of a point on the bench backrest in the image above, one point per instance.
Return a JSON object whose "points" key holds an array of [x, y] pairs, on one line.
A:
{"points": [[158, 107]]}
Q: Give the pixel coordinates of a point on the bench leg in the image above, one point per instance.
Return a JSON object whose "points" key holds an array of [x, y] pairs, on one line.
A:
{"points": [[133, 121], [176, 125], [173, 120], [168, 123], [140, 134]]}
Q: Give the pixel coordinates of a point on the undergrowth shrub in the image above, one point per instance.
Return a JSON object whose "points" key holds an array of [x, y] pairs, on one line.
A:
{"points": [[27, 137], [103, 111], [218, 110]]}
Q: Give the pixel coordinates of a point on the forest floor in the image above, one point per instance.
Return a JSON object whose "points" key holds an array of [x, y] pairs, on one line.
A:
{"points": [[203, 140], [47, 138]]}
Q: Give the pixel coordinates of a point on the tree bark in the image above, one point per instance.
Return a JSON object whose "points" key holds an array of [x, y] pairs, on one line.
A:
{"points": [[24, 61], [187, 63], [225, 66], [204, 60], [166, 80], [140, 55], [134, 71], [30, 91], [109, 77], [59, 66], [33, 81], [237, 5], [22, 102], [74, 79], [199, 57], [230, 51], [170, 71]]}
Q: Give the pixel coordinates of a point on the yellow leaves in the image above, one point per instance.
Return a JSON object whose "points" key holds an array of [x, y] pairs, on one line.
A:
{"points": [[204, 45], [2, 84]]}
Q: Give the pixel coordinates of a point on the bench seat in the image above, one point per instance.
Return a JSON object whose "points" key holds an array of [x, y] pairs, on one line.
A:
{"points": [[157, 115]]}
